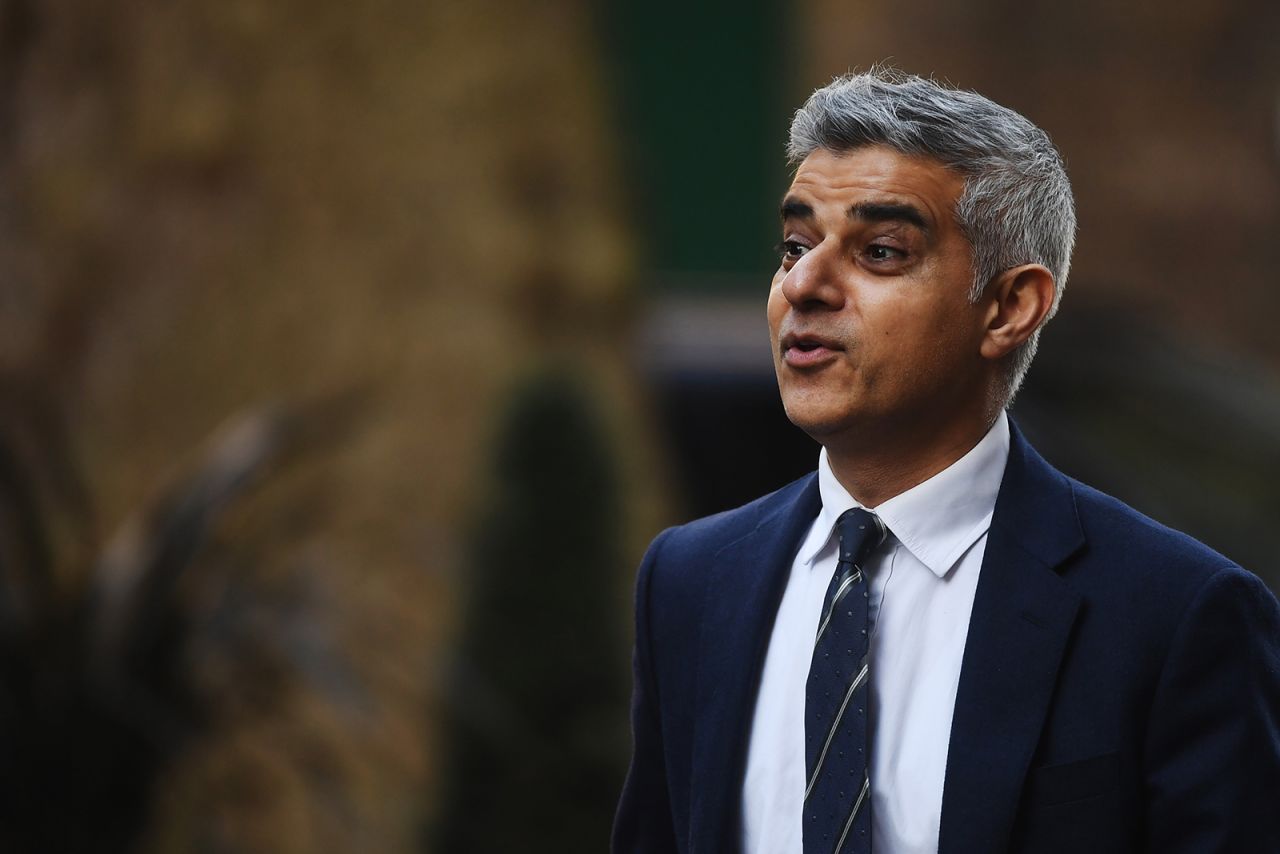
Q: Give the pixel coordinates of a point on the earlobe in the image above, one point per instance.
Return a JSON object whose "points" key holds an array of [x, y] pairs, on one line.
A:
{"points": [[1019, 301]]}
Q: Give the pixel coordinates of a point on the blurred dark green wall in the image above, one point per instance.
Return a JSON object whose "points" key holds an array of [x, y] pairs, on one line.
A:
{"points": [[701, 96]]}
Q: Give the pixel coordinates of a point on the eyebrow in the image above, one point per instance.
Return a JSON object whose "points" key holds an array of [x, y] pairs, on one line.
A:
{"points": [[794, 209], [868, 211], [889, 212]]}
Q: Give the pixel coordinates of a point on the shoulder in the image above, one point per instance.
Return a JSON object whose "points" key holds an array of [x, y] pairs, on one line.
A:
{"points": [[1160, 575], [1120, 531], [708, 535], [1091, 537], [1164, 561], [1135, 576], [676, 560], [1187, 644]]}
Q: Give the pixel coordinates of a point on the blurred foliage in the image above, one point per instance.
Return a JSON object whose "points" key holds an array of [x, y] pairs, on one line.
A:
{"points": [[206, 204], [536, 704], [115, 661]]}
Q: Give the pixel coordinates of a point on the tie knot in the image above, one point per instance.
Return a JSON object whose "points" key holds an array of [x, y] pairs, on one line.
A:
{"points": [[860, 532]]}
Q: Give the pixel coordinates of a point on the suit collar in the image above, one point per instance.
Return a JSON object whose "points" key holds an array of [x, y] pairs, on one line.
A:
{"points": [[937, 520], [745, 584], [1037, 505], [1022, 616]]}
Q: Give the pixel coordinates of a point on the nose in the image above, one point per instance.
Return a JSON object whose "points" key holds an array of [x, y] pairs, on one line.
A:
{"points": [[812, 282]]}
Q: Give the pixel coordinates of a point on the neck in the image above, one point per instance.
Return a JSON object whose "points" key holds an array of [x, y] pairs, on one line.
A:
{"points": [[875, 468]]}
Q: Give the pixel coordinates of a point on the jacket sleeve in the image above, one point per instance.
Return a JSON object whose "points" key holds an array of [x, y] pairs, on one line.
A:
{"points": [[1213, 742], [643, 824]]}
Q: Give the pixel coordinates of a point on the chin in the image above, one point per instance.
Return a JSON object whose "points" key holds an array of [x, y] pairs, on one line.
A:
{"points": [[819, 421]]}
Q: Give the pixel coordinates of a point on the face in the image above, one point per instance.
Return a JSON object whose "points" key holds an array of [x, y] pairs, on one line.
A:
{"points": [[872, 330]]}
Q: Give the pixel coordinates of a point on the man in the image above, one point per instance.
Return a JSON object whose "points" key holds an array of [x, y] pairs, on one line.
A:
{"points": [[938, 642]]}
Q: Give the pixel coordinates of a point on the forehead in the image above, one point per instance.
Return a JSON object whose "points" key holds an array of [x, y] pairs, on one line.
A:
{"points": [[877, 174]]}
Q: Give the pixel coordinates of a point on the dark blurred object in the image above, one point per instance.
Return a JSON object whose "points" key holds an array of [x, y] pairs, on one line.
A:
{"points": [[98, 695], [535, 742], [729, 439], [721, 420]]}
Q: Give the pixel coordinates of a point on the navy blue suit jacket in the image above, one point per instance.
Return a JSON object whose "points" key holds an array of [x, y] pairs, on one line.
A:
{"points": [[1120, 687]]}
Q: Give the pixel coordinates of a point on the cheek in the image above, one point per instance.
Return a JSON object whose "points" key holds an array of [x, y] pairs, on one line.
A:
{"points": [[917, 336], [776, 306], [948, 343]]}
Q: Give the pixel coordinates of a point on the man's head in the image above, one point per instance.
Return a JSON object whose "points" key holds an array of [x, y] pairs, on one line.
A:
{"points": [[933, 206], [1017, 206]]}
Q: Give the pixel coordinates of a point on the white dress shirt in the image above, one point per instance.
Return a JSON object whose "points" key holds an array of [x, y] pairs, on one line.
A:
{"points": [[923, 579]]}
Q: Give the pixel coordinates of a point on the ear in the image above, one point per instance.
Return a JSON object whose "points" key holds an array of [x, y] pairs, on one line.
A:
{"points": [[1019, 300]]}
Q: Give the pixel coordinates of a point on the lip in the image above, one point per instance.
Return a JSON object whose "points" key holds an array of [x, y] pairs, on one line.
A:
{"points": [[805, 350]]}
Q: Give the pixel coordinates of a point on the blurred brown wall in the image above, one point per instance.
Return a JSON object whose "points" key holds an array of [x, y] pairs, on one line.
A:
{"points": [[1168, 115], [210, 206]]}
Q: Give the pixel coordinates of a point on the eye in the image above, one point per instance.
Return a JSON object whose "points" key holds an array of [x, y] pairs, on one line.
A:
{"points": [[791, 250], [880, 252]]}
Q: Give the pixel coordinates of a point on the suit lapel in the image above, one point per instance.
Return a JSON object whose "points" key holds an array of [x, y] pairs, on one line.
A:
{"points": [[745, 584], [1022, 617]]}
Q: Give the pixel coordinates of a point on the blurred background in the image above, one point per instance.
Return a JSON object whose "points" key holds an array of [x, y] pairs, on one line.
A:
{"points": [[350, 354]]}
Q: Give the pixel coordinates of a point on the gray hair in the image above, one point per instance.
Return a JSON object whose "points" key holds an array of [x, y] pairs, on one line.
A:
{"points": [[1016, 207]]}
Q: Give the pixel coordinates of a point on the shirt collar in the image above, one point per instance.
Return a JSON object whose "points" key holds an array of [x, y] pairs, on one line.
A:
{"points": [[937, 520]]}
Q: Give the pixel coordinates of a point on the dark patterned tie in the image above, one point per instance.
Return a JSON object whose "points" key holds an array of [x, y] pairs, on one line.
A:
{"points": [[837, 799]]}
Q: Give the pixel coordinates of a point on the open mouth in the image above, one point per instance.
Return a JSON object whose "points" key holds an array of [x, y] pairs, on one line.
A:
{"points": [[808, 351], [808, 343]]}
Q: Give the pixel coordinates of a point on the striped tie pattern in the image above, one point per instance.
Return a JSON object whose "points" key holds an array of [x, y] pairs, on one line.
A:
{"points": [[837, 800]]}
